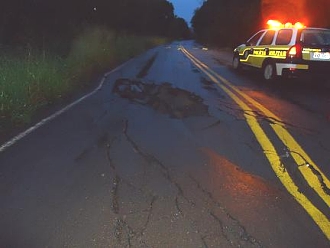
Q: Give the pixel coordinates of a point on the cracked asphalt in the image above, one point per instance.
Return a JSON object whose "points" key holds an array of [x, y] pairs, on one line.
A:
{"points": [[160, 156]]}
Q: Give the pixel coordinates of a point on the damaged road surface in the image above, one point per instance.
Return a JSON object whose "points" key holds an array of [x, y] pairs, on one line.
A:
{"points": [[162, 155], [163, 98]]}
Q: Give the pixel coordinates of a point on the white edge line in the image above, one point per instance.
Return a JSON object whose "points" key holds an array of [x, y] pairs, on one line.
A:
{"points": [[48, 119]]}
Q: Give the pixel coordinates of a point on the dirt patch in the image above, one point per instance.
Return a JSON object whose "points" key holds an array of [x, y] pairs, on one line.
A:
{"points": [[177, 103]]}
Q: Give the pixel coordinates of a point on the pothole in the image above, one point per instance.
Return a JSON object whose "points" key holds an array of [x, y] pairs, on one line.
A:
{"points": [[177, 103]]}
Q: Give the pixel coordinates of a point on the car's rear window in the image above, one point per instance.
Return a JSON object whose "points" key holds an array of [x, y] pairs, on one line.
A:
{"points": [[316, 37], [284, 37]]}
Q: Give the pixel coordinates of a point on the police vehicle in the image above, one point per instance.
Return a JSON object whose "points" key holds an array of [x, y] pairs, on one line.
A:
{"points": [[286, 50]]}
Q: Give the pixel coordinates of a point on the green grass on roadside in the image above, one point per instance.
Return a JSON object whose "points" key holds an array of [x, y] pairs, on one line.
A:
{"points": [[98, 49], [28, 83], [31, 81]]}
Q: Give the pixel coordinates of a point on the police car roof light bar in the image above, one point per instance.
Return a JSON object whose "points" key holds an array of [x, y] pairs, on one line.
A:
{"points": [[274, 24]]}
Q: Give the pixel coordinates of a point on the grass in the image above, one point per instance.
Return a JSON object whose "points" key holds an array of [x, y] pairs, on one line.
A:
{"points": [[33, 80], [28, 83], [98, 49]]}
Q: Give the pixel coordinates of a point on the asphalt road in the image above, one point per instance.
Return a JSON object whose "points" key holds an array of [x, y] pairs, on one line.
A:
{"points": [[174, 149]]}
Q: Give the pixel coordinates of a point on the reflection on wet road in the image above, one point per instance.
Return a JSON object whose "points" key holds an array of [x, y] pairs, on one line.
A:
{"points": [[310, 171], [173, 150]]}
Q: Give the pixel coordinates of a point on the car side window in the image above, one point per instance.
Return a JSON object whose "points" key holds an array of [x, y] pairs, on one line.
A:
{"points": [[268, 38], [284, 37], [254, 39]]}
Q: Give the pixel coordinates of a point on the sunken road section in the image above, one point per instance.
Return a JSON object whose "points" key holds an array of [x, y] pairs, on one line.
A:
{"points": [[177, 103]]}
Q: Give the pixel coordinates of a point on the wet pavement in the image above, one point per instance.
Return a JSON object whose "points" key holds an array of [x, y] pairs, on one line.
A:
{"points": [[176, 103], [160, 156]]}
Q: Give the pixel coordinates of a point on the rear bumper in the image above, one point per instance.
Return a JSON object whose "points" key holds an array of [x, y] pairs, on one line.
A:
{"points": [[287, 68], [301, 67]]}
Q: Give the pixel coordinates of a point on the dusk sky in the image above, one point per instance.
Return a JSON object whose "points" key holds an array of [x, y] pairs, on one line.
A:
{"points": [[185, 8]]}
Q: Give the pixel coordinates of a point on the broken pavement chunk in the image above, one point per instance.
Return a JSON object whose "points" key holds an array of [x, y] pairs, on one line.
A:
{"points": [[177, 103]]}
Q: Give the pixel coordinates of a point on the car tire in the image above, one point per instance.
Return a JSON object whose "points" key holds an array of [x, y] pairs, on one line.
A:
{"points": [[269, 71], [237, 66]]}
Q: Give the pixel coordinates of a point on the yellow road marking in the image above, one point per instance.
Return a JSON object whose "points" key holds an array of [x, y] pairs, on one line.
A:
{"points": [[296, 151], [271, 154]]}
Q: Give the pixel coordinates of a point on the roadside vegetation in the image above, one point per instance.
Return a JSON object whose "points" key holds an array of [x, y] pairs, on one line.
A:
{"points": [[32, 79], [51, 49]]}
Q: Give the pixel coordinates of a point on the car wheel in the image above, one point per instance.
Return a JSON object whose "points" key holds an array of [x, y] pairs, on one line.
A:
{"points": [[269, 71], [236, 63]]}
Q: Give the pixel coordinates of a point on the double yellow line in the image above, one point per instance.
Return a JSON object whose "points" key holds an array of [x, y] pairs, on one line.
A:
{"points": [[310, 171]]}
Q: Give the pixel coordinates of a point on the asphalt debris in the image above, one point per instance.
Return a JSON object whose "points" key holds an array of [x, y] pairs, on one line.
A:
{"points": [[175, 102]]}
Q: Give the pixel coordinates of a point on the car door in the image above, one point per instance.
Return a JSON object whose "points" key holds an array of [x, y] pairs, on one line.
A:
{"points": [[261, 50], [247, 53]]}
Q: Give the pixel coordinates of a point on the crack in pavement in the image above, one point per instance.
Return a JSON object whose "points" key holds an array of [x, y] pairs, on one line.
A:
{"points": [[123, 232], [228, 231], [288, 153], [275, 121], [281, 159], [177, 205], [82, 155], [235, 233], [222, 227], [108, 148], [218, 122], [147, 66], [252, 148], [236, 117], [203, 238], [116, 179], [114, 194], [154, 198], [150, 159], [314, 171], [261, 116], [323, 146], [121, 228]]}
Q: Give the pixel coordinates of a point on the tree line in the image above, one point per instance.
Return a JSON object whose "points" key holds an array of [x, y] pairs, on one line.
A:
{"points": [[40, 21], [230, 22]]}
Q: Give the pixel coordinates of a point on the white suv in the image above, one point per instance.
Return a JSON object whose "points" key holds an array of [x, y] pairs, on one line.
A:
{"points": [[287, 50]]}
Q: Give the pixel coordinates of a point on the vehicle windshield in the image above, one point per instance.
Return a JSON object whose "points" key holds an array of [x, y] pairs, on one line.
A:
{"points": [[316, 37]]}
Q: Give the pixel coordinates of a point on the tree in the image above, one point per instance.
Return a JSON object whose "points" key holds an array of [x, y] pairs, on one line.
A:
{"points": [[40, 21], [226, 22], [179, 29]]}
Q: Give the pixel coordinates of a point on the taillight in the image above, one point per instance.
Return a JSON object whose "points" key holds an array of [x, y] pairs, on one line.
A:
{"points": [[295, 51]]}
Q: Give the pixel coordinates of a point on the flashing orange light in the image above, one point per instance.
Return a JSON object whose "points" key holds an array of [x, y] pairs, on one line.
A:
{"points": [[274, 24], [299, 25], [288, 25]]}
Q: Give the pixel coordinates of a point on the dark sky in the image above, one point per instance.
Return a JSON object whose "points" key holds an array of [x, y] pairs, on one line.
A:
{"points": [[185, 8]]}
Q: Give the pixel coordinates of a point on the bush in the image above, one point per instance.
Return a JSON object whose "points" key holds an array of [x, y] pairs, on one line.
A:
{"points": [[27, 84], [91, 53], [34, 79]]}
